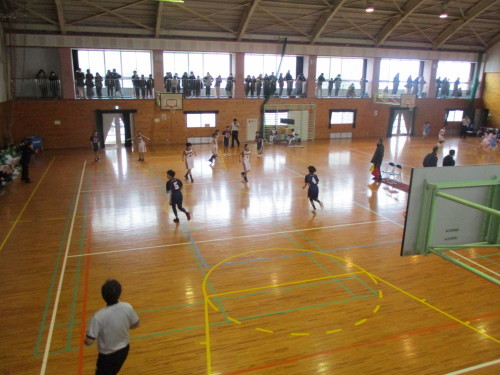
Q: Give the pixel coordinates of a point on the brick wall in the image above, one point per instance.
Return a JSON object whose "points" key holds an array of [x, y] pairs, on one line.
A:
{"points": [[77, 117]]}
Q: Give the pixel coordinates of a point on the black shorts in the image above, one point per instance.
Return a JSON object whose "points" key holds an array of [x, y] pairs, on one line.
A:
{"points": [[313, 192], [95, 148], [226, 142]]}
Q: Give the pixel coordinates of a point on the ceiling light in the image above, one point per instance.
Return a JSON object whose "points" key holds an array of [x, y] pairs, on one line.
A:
{"points": [[172, 1], [444, 11], [369, 6]]}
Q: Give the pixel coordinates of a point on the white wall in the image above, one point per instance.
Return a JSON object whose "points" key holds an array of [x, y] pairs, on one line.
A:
{"points": [[493, 59]]}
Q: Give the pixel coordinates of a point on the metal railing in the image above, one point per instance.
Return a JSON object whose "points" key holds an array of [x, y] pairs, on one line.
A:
{"points": [[36, 88]]}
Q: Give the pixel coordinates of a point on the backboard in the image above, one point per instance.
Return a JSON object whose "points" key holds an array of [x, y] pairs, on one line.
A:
{"points": [[170, 101]]}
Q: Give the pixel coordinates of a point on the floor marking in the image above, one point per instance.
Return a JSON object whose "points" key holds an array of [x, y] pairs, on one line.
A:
{"points": [[379, 214], [476, 367], [226, 238], [477, 264], [335, 330], [437, 309], [6, 238], [264, 330], [61, 278], [376, 309], [360, 322], [234, 320], [379, 294], [299, 334], [283, 284]]}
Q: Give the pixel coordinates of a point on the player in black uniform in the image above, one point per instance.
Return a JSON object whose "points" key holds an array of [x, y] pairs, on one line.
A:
{"points": [[174, 186], [313, 191]]}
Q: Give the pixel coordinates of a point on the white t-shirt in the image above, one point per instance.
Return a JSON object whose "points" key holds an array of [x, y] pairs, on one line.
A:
{"points": [[110, 326], [235, 126]]}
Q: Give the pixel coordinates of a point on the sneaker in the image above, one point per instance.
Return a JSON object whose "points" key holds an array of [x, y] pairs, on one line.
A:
{"points": [[321, 205], [314, 211], [176, 220], [243, 175], [188, 215], [192, 180], [245, 178], [186, 176]]}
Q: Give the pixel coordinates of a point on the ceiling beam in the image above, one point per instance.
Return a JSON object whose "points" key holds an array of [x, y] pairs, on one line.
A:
{"points": [[457, 25], [60, 16], [246, 19], [104, 13], [34, 13], [128, 19], [286, 22], [203, 17], [325, 19], [390, 26], [159, 13], [493, 41]]}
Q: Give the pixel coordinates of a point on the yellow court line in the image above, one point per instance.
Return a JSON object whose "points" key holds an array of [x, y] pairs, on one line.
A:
{"points": [[25, 206], [299, 334], [422, 301], [376, 309], [264, 330], [335, 330], [283, 284], [234, 320], [360, 322]]}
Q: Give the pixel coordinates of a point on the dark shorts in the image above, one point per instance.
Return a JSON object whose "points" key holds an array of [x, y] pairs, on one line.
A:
{"points": [[313, 192], [110, 364], [226, 142], [177, 199], [95, 148]]}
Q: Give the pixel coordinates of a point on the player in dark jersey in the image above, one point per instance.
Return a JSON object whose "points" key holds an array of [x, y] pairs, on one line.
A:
{"points": [[174, 187], [312, 180], [226, 134], [94, 141]]}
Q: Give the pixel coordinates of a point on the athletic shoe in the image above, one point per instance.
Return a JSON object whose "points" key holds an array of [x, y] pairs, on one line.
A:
{"points": [[192, 179], [314, 211], [245, 178], [186, 176], [188, 215], [176, 220], [321, 205]]}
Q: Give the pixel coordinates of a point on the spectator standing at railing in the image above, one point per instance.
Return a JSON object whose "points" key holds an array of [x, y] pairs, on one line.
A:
{"points": [[150, 83], [273, 84], [110, 83], [258, 84], [289, 83], [89, 83], [142, 86], [266, 85], [80, 83], [330, 87], [415, 84], [395, 84], [208, 84], [185, 84], [248, 82], [191, 81], [455, 87], [54, 84], [303, 81], [351, 91], [438, 86], [41, 80], [362, 86], [175, 84], [319, 85], [337, 82], [135, 84], [253, 85], [218, 83], [281, 84], [98, 85], [167, 82], [409, 85], [421, 85], [198, 85], [229, 85], [116, 81], [445, 88]]}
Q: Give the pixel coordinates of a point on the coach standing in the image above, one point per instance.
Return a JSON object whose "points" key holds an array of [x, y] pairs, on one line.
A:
{"points": [[110, 326], [234, 133]]}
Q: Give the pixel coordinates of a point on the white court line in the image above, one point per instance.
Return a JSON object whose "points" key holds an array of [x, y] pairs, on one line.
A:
{"points": [[63, 269], [375, 212], [223, 239], [472, 368], [477, 264]]}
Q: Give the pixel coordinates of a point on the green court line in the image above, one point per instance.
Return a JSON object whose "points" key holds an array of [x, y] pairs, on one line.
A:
{"points": [[307, 307], [347, 289], [366, 285], [81, 242], [54, 274]]}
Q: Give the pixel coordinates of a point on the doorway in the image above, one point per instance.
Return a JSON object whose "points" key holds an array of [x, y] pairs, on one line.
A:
{"points": [[401, 122], [115, 127]]}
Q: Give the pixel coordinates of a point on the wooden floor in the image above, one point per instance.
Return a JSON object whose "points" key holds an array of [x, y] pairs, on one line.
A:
{"points": [[255, 283]]}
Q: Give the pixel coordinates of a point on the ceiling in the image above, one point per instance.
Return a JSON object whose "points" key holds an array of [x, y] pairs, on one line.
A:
{"points": [[472, 25]]}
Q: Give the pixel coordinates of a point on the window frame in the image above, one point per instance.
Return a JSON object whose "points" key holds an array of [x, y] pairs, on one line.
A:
{"points": [[215, 113], [331, 111], [448, 110]]}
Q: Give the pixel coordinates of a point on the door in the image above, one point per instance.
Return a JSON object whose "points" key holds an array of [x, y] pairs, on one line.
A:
{"points": [[115, 127], [400, 122]]}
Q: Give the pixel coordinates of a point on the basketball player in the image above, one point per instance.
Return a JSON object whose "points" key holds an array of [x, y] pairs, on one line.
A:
{"points": [[245, 160], [188, 157], [174, 186], [227, 135], [312, 180], [215, 147]]}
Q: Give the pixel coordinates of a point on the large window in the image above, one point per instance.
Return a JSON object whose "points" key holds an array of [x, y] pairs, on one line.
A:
{"points": [[350, 69], [389, 68], [455, 115], [268, 64], [198, 63], [274, 118], [200, 120], [342, 117], [125, 62], [457, 75]]}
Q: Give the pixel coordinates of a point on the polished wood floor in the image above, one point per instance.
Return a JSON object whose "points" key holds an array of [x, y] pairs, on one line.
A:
{"points": [[255, 283]]}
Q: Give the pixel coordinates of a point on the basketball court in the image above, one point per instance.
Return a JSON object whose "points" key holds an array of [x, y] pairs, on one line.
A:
{"points": [[255, 283]]}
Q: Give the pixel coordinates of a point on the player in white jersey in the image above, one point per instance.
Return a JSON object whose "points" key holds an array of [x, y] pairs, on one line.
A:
{"points": [[245, 160], [215, 147], [141, 144], [188, 157]]}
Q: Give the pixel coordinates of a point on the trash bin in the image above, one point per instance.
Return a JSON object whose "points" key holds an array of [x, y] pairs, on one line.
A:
{"points": [[37, 142]]}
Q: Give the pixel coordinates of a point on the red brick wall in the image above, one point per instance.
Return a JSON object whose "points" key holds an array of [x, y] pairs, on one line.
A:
{"points": [[36, 118]]}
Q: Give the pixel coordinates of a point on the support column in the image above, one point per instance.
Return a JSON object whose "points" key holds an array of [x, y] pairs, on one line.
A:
{"points": [[158, 70], [310, 73], [238, 74], [432, 79], [66, 75], [376, 76]]}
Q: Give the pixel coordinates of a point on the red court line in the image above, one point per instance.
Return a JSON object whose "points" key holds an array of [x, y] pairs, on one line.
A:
{"points": [[85, 287], [366, 343]]}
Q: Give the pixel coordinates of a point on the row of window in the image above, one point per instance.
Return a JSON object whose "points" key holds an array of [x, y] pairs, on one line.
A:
{"points": [[350, 69], [337, 117]]}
